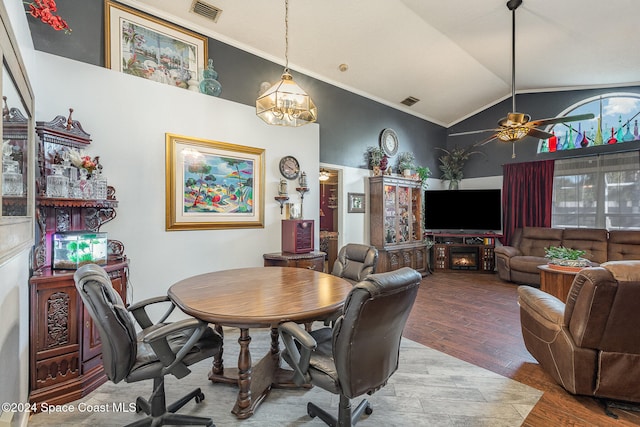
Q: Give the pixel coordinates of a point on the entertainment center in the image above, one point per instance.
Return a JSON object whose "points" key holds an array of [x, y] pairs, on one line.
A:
{"points": [[463, 252], [464, 226]]}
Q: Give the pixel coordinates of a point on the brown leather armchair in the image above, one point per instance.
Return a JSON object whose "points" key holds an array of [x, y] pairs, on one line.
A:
{"points": [[158, 350], [355, 262], [591, 344], [360, 352]]}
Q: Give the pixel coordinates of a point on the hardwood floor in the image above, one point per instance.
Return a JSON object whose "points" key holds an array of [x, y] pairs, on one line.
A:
{"points": [[475, 317]]}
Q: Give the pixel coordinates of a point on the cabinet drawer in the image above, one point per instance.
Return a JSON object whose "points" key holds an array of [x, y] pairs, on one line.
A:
{"points": [[316, 264]]}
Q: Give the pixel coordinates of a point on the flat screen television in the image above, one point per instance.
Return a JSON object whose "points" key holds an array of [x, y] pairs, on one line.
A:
{"points": [[463, 210]]}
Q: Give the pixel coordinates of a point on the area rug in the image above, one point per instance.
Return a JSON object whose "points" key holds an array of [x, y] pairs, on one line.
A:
{"points": [[429, 388]]}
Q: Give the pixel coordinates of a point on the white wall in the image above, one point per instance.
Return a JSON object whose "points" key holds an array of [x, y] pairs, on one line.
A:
{"points": [[127, 118]]}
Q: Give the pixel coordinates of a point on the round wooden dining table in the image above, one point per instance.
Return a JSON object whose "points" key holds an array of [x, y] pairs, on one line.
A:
{"points": [[259, 297]]}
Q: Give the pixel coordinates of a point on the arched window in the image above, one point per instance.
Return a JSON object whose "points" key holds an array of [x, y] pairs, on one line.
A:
{"points": [[615, 122]]}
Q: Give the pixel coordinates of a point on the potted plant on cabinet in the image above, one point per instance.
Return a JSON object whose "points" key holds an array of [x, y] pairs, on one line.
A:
{"points": [[376, 155], [406, 163], [423, 173], [452, 163]]}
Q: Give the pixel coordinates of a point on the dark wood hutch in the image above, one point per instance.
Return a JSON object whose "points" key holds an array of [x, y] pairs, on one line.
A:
{"points": [[395, 223], [65, 350]]}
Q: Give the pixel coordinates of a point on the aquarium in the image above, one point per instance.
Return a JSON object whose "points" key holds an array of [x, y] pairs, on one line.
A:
{"points": [[72, 249]]}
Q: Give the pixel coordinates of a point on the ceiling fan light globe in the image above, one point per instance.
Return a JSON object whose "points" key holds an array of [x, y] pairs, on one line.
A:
{"points": [[512, 134]]}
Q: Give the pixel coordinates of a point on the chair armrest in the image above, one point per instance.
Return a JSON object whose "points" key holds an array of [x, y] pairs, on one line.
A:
{"points": [[508, 251], [541, 305], [140, 313], [297, 357], [157, 338]]}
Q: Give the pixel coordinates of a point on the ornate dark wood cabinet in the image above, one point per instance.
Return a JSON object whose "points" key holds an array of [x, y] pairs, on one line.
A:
{"points": [[65, 349], [395, 223]]}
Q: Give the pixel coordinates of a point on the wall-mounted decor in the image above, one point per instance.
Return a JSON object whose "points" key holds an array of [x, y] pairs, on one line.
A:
{"points": [[145, 46], [213, 185], [356, 203]]}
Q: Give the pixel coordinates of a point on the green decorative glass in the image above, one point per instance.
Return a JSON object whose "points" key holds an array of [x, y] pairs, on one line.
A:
{"points": [[209, 84]]}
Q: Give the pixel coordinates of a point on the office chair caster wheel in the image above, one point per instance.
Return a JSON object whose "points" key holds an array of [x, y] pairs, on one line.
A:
{"points": [[199, 397], [141, 405], [368, 410]]}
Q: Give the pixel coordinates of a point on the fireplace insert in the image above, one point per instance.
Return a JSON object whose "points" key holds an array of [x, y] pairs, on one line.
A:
{"points": [[463, 258]]}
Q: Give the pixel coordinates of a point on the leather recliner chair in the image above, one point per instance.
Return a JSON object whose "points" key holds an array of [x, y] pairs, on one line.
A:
{"points": [[355, 262], [361, 351], [591, 344], [158, 350]]}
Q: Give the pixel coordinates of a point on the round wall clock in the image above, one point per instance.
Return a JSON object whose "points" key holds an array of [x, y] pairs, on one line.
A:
{"points": [[289, 167], [389, 142]]}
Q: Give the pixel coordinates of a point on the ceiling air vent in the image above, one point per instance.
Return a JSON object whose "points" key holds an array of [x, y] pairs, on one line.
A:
{"points": [[204, 9], [409, 101]]}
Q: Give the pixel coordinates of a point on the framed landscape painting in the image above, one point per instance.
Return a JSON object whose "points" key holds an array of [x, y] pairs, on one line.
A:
{"points": [[213, 185], [145, 46]]}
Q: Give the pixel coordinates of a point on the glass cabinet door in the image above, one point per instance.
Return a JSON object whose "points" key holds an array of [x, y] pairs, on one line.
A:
{"points": [[390, 214], [416, 213], [404, 212], [15, 150], [16, 197]]}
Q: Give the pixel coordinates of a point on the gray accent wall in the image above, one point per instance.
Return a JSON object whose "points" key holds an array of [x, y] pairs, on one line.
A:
{"points": [[349, 123]]}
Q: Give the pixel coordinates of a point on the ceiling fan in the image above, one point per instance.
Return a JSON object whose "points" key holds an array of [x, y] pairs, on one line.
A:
{"points": [[516, 126]]}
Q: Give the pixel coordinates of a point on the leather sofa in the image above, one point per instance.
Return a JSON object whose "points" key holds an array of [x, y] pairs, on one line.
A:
{"points": [[519, 262], [591, 344]]}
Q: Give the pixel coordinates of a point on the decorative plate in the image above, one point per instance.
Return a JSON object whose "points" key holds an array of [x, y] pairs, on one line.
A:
{"points": [[389, 142], [289, 167]]}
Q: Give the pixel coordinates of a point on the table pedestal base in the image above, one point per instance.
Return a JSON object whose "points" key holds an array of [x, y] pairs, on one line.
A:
{"points": [[254, 382]]}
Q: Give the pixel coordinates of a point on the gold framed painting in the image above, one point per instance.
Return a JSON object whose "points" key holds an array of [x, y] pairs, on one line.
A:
{"points": [[145, 46], [213, 185]]}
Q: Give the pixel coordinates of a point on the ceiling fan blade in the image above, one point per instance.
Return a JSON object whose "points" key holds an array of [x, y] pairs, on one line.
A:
{"points": [[486, 140], [537, 133], [543, 122], [471, 132]]}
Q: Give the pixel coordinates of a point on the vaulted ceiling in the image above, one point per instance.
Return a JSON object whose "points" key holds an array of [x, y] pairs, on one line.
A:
{"points": [[454, 56]]}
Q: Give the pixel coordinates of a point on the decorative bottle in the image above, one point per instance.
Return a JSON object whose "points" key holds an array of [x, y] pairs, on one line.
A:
{"points": [[99, 184], [620, 132], [628, 136], [636, 135], [209, 84], [12, 180], [85, 185], [58, 183], [598, 140]]}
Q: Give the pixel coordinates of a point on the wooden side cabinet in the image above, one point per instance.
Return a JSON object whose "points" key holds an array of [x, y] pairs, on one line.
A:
{"points": [[65, 353], [297, 235], [310, 260]]}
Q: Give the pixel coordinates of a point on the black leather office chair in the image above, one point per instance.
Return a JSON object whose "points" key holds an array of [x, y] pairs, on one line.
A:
{"points": [[361, 351], [159, 349], [355, 262]]}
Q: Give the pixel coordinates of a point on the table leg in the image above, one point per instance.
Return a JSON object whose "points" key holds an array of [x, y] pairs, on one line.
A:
{"points": [[218, 362]]}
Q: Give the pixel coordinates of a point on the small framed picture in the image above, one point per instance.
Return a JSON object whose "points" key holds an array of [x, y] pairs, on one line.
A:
{"points": [[356, 203]]}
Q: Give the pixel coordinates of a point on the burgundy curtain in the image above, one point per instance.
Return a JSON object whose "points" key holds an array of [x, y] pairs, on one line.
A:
{"points": [[527, 190]]}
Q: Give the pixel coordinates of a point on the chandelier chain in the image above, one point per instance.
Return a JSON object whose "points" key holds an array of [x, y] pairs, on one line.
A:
{"points": [[286, 36]]}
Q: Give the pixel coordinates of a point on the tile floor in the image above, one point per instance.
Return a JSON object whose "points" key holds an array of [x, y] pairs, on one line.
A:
{"points": [[430, 388]]}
